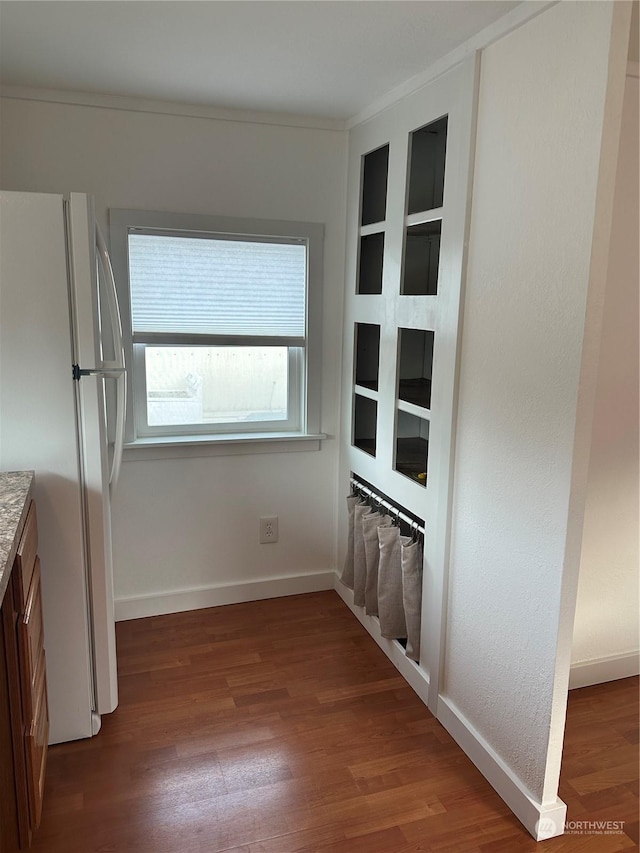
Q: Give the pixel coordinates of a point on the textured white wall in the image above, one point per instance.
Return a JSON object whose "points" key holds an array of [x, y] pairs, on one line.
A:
{"points": [[540, 119], [179, 523], [606, 622]]}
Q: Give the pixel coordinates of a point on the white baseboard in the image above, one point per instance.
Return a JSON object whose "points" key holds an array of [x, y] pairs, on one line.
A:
{"points": [[599, 670], [139, 606], [416, 677], [542, 820]]}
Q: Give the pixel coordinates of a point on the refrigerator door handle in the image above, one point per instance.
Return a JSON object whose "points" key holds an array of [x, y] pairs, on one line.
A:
{"points": [[106, 372], [117, 368], [118, 445]]}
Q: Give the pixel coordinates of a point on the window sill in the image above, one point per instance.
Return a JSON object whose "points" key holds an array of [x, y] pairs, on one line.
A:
{"points": [[225, 444]]}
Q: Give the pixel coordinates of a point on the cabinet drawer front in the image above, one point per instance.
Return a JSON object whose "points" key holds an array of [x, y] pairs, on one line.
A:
{"points": [[31, 643], [36, 741], [26, 557]]}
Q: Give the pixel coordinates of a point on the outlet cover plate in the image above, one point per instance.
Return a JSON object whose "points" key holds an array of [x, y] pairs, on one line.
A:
{"points": [[268, 529]]}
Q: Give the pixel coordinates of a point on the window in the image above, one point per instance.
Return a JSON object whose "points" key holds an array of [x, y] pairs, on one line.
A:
{"points": [[221, 319]]}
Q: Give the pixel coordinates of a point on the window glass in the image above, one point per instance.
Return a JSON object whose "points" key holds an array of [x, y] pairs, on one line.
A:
{"points": [[200, 385]]}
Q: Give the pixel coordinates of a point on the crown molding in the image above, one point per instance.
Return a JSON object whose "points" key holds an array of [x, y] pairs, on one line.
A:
{"points": [[145, 105], [500, 28]]}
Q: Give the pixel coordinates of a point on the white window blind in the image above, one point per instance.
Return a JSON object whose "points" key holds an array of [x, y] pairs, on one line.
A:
{"points": [[214, 288]]}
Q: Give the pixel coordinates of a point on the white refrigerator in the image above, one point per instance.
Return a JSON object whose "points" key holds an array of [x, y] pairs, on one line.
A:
{"points": [[55, 277]]}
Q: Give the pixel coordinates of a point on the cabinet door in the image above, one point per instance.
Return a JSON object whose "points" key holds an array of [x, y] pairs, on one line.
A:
{"points": [[36, 740], [34, 694], [31, 644], [15, 826], [25, 558], [9, 818]]}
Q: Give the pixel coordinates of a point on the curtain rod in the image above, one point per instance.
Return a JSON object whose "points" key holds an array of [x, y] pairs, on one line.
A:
{"points": [[415, 523]]}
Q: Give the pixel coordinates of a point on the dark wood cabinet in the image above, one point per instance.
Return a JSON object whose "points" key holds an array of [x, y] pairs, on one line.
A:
{"points": [[24, 715]]}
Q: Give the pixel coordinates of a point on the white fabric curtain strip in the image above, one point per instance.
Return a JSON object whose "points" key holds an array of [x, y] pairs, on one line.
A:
{"points": [[347, 569], [370, 525], [411, 562], [393, 624], [359, 558]]}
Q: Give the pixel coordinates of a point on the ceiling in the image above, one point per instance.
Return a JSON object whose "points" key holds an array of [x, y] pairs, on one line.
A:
{"points": [[325, 58]]}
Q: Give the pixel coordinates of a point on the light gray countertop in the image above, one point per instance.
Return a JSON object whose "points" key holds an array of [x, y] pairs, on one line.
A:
{"points": [[16, 491]]}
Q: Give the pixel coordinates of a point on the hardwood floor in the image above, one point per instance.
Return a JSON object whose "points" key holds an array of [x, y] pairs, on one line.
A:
{"points": [[279, 726]]}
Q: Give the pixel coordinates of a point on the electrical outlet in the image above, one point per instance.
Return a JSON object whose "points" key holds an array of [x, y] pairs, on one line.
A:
{"points": [[268, 529]]}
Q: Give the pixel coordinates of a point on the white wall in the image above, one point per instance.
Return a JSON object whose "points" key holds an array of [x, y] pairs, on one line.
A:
{"points": [[183, 524], [606, 624], [516, 504]]}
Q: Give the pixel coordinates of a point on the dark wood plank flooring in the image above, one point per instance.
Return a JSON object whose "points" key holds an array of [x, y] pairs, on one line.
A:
{"points": [[279, 726]]}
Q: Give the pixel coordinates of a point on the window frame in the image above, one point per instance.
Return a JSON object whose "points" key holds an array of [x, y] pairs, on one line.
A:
{"points": [[304, 362]]}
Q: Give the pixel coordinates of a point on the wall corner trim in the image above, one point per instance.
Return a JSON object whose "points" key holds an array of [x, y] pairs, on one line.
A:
{"points": [[542, 820], [176, 601]]}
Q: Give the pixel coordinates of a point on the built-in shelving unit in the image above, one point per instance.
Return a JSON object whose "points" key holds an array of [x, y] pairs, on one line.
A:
{"points": [[422, 217], [365, 398], [408, 177], [428, 147], [414, 370], [375, 168], [370, 267], [421, 259], [412, 447], [365, 419], [367, 362], [373, 211], [415, 367]]}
